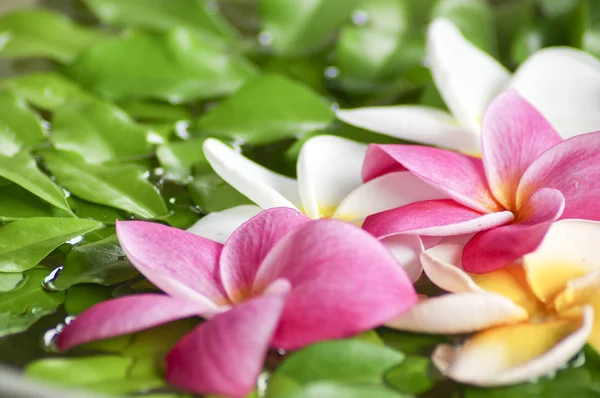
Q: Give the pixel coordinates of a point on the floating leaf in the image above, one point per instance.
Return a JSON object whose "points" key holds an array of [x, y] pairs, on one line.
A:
{"points": [[267, 109], [211, 193], [101, 262], [22, 170], [98, 131], [106, 373], [8, 281], [48, 90], [155, 111], [335, 390], [186, 66], [40, 33], [294, 28], [178, 158], [81, 297], [20, 127], [411, 376], [163, 15], [410, 343], [19, 203], [341, 361], [28, 302], [84, 209], [121, 186], [24, 243]]}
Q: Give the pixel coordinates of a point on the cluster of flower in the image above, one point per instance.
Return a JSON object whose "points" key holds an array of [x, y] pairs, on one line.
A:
{"points": [[509, 232]]}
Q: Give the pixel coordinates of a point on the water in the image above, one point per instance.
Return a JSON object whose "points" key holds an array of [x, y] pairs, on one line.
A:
{"points": [[48, 283]]}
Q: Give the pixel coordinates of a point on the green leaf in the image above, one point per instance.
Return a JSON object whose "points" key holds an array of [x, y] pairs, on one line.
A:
{"points": [[19, 203], [101, 262], [162, 15], [342, 361], [267, 109], [155, 111], [24, 243], [23, 171], [20, 127], [81, 297], [411, 376], [98, 131], [28, 302], [106, 373], [8, 281], [178, 158], [410, 343], [186, 66], [293, 28], [334, 390], [48, 90], [92, 211], [45, 34], [474, 18], [211, 193], [121, 186]]}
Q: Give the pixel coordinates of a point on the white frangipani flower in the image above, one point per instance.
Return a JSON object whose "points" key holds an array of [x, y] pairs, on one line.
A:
{"points": [[329, 185], [562, 83]]}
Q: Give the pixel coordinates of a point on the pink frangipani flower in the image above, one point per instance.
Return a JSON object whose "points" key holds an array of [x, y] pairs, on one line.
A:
{"points": [[528, 178], [280, 280]]}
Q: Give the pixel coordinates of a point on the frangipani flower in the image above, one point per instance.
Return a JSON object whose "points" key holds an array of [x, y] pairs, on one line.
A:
{"points": [[562, 83], [528, 178], [280, 280], [529, 320], [329, 185]]}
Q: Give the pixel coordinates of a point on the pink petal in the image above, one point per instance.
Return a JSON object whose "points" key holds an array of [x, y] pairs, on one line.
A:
{"points": [[180, 263], [491, 250], [572, 167], [433, 217], [460, 176], [125, 315], [514, 134], [225, 354], [249, 245], [343, 281]]}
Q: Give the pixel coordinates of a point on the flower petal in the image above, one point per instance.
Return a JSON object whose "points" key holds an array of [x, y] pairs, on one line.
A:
{"points": [[343, 281], [414, 123], [125, 315], [443, 266], [249, 245], [561, 83], [572, 168], [383, 193], [329, 168], [225, 355], [406, 249], [569, 250], [433, 217], [219, 225], [178, 262], [460, 176], [516, 353], [460, 313], [466, 77], [514, 134], [491, 250], [259, 184]]}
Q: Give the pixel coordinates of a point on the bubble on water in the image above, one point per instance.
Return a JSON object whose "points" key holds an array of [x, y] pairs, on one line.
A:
{"points": [[265, 38], [48, 282], [360, 17], [332, 72]]}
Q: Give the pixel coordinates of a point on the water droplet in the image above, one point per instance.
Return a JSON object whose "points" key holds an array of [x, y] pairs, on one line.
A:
{"points": [[265, 38], [75, 240], [237, 145], [67, 193], [332, 72], [360, 17], [158, 172], [69, 319], [172, 200], [49, 340], [261, 383], [281, 351], [182, 129], [335, 106], [146, 174], [48, 282]]}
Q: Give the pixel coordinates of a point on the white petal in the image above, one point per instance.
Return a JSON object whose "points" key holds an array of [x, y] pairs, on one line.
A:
{"points": [[443, 266], [259, 184], [466, 77], [460, 313], [218, 226], [564, 85], [414, 123], [329, 168], [386, 192], [502, 357], [407, 250]]}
